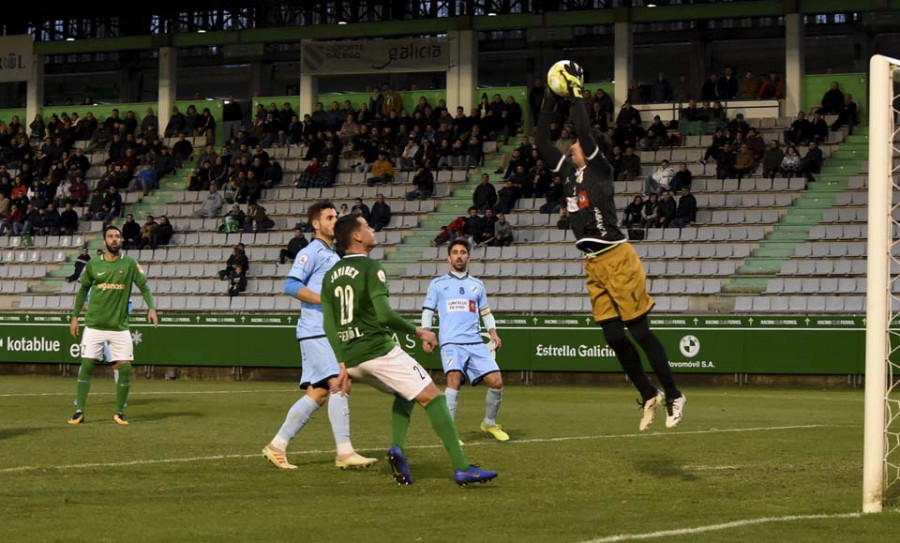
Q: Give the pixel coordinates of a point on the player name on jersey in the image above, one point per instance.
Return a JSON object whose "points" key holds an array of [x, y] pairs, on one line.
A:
{"points": [[344, 271]]}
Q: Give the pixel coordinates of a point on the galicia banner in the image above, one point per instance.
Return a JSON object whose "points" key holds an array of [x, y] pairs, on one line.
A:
{"points": [[378, 56], [15, 58]]}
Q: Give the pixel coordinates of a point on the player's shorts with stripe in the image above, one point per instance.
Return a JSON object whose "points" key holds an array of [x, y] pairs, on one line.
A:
{"points": [[394, 373], [617, 285], [120, 346], [318, 362], [473, 361]]}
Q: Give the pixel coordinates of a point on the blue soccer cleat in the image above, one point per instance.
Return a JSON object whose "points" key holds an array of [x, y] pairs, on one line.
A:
{"points": [[399, 466], [474, 475]]}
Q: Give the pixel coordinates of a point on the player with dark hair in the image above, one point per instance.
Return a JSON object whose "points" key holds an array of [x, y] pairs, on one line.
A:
{"points": [[359, 323], [461, 303], [321, 369], [616, 280], [109, 279]]}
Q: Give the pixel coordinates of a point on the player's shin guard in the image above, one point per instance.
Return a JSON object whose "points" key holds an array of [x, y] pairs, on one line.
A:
{"points": [[628, 357], [492, 405], [339, 415], [85, 374], [656, 354], [297, 417], [400, 414], [123, 386], [439, 415], [452, 400]]}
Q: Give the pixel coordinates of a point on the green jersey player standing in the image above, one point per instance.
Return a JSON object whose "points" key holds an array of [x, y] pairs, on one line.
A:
{"points": [[109, 279], [358, 321]]}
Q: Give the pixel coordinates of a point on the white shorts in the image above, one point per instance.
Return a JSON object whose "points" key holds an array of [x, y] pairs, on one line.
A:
{"points": [[394, 373], [120, 345]]}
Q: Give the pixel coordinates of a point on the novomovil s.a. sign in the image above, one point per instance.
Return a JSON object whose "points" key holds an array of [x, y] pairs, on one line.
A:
{"points": [[15, 58]]}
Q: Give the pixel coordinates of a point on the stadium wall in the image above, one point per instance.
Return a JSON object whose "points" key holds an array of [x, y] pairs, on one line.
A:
{"points": [[798, 344]]}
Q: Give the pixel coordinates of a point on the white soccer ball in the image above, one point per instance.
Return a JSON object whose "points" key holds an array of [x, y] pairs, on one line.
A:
{"points": [[557, 81]]}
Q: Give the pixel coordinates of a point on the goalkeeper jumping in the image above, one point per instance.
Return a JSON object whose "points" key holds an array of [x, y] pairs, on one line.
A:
{"points": [[616, 280]]}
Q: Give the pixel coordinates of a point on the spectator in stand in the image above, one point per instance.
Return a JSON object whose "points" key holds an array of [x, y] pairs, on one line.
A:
{"points": [[449, 232], [14, 222], [488, 227], [718, 142], [311, 176], [148, 230], [555, 196], [710, 90], [361, 208], [662, 90], [791, 165], [660, 179], [177, 123], [503, 232], [232, 117], [692, 120], [512, 115], [78, 192], [382, 170], [485, 195], [799, 132], [738, 126], [687, 210], [772, 88], [211, 206], [237, 281], [131, 233], [771, 160], [80, 264], [381, 214], [683, 178], [32, 221], [682, 91], [849, 115], [627, 114], [248, 191], [424, 183], [756, 144], [182, 150], [818, 128], [162, 235], [237, 258], [631, 166], [68, 220], [294, 246], [725, 161], [233, 221], [472, 229], [632, 215], [727, 86], [832, 101], [508, 197], [4, 205], [408, 155], [666, 210], [257, 219], [744, 162], [812, 162], [164, 163], [52, 221], [748, 87], [656, 137]]}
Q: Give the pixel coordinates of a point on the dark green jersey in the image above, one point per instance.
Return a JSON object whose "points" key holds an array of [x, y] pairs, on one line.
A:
{"points": [[109, 283], [350, 294]]}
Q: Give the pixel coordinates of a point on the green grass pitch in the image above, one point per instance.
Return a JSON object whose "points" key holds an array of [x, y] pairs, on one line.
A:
{"points": [[188, 468]]}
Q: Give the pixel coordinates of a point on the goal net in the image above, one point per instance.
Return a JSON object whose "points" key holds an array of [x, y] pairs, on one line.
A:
{"points": [[881, 456]]}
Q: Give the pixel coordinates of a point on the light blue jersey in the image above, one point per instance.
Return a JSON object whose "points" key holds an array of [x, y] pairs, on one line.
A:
{"points": [[460, 303], [309, 268]]}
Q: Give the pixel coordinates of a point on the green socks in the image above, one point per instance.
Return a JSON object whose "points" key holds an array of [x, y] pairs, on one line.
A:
{"points": [[400, 414], [85, 373], [122, 387], [439, 414]]}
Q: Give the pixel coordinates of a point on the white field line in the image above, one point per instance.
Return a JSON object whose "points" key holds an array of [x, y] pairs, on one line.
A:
{"points": [[153, 392], [472, 444], [720, 527]]}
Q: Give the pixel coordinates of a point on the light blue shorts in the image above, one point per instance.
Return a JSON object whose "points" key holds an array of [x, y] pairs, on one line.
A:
{"points": [[473, 361], [318, 362]]}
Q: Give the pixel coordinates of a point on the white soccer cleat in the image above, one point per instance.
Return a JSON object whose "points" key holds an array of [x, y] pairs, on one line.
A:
{"points": [[674, 411], [355, 460], [277, 458], [648, 410]]}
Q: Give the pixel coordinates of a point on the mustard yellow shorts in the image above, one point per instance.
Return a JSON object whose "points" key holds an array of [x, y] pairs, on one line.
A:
{"points": [[617, 285]]}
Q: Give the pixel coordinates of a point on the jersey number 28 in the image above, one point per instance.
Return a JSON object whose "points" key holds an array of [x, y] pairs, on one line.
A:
{"points": [[345, 295]]}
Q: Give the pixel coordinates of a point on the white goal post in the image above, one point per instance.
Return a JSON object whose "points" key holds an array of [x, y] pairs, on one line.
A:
{"points": [[881, 452]]}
